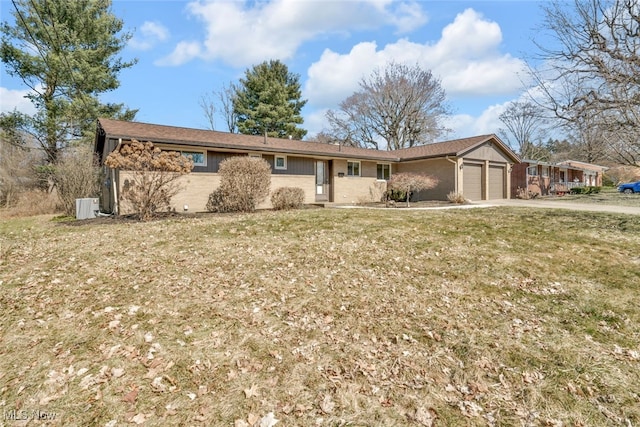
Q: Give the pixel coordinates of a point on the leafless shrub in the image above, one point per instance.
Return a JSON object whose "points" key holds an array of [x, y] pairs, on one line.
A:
{"points": [[524, 194], [244, 184], [454, 197], [152, 176], [287, 198], [410, 182], [30, 202], [76, 175], [17, 165]]}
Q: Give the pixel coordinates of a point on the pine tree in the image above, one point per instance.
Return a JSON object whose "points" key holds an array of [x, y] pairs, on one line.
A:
{"points": [[66, 53], [267, 101]]}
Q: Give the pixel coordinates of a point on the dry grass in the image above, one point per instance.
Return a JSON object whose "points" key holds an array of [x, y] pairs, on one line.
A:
{"points": [[607, 196], [324, 317], [32, 202]]}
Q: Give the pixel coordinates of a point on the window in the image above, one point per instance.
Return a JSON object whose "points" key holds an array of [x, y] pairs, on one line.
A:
{"points": [[199, 158], [384, 171], [353, 168], [256, 155], [280, 162], [532, 170], [545, 171]]}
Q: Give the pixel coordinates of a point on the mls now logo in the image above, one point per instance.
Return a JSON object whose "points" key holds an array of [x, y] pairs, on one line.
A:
{"points": [[24, 415]]}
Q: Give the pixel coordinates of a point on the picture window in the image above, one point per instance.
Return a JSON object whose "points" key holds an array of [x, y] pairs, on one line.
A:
{"points": [[199, 158]]}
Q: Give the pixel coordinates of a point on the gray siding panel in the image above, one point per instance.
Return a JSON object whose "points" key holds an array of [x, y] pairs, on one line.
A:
{"points": [[213, 161], [295, 165]]}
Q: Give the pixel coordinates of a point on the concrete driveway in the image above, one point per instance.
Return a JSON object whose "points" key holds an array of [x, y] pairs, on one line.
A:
{"points": [[557, 204]]}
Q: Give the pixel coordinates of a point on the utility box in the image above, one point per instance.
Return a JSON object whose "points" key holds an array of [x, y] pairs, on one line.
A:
{"points": [[87, 208]]}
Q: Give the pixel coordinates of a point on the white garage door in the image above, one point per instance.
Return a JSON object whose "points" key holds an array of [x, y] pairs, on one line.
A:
{"points": [[472, 181], [496, 182]]}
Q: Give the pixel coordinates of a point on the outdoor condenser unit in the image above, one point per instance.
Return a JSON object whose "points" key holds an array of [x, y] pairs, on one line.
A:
{"points": [[87, 208]]}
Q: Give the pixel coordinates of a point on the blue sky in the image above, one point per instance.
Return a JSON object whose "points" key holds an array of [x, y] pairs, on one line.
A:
{"points": [[187, 49]]}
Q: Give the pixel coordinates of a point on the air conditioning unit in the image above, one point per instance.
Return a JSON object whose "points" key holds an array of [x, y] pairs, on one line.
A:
{"points": [[87, 208]]}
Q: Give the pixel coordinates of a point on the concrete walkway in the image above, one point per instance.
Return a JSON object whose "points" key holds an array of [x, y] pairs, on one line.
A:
{"points": [[556, 204]]}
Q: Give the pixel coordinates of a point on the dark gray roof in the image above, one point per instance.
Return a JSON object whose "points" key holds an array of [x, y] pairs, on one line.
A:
{"points": [[224, 140]]}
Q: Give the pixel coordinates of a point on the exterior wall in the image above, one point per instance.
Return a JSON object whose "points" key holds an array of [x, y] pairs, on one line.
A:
{"points": [[196, 187], [488, 152], [518, 178], [357, 189], [306, 182], [442, 169], [300, 172], [107, 197]]}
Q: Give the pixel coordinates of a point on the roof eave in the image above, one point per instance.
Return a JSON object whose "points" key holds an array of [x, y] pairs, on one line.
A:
{"points": [[257, 148]]}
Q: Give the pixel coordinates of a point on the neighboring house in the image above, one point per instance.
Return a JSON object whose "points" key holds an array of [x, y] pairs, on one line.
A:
{"points": [[478, 167], [543, 178]]}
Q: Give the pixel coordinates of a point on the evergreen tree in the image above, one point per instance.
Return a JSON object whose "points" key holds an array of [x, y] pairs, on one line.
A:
{"points": [[267, 101], [66, 53]]}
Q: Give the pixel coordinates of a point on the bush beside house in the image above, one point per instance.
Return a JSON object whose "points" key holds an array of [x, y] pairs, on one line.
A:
{"points": [[244, 184]]}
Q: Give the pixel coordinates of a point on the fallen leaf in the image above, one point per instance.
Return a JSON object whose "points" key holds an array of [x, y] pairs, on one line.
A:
{"points": [[253, 419], [117, 372], [240, 423], [268, 420], [426, 417], [327, 405], [470, 409], [250, 392], [140, 418], [131, 396]]}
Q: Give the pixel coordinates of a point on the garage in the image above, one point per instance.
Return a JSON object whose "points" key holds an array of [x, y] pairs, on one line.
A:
{"points": [[472, 181], [496, 182]]}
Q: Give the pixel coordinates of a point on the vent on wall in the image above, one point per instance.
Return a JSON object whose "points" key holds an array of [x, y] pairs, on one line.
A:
{"points": [[87, 208]]}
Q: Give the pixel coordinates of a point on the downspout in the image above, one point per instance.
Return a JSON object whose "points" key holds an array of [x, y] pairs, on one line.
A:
{"points": [[116, 207], [455, 172]]}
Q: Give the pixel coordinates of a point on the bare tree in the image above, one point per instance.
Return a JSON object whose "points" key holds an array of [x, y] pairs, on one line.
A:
{"points": [[225, 96], [525, 128], [76, 175], [595, 70], [220, 102], [399, 106], [209, 108]]}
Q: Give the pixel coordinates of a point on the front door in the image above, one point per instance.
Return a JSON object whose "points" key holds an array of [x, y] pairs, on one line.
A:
{"points": [[322, 180]]}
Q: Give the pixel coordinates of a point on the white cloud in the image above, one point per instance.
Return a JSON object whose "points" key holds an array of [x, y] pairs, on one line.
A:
{"points": [[315, 122], [11, 99], [242, 33], [466, 58], [151, 33], [184, 52]]}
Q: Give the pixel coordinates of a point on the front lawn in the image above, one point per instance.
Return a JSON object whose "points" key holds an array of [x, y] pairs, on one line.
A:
{"points": [[606, 196], [489, 316]]}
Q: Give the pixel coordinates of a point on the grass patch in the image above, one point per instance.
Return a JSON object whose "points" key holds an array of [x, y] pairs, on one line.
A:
{"points": [[607, 195], [321, 316]]}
